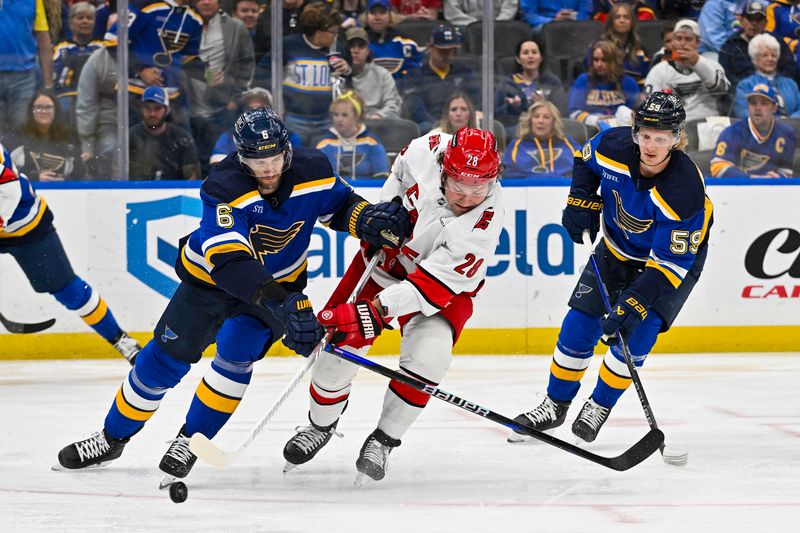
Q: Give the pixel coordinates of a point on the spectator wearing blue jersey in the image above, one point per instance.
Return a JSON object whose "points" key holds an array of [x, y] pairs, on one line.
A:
{"points": [[254, 98], [783, 22], [596, 95], [529, 84], [395, 52], [757, 146], [351, 11], [620, 28], [764, 51], [541, 148], [717, 21], [354, 153], [105, 17], [537, 13]]}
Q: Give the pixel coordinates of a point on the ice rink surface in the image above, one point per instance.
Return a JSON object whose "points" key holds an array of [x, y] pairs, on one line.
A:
{"points": [[738, 415]]}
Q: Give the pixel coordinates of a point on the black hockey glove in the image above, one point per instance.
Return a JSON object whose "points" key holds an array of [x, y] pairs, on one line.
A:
{"points": [[582, 213], [303, 330], [386, 224], [625, 317]]}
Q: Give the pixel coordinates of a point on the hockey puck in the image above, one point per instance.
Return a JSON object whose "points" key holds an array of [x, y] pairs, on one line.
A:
{"points": [[675, 457], [178, 492]]}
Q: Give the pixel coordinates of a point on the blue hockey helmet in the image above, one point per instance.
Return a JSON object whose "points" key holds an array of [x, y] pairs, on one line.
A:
{"points": [[259, 134]]}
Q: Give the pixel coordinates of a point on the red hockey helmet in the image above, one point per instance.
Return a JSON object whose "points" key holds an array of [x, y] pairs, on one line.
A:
{"points": [[471, 157]]}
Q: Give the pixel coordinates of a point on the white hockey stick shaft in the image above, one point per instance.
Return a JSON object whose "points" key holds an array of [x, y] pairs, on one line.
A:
{"points": [[212, 454]]}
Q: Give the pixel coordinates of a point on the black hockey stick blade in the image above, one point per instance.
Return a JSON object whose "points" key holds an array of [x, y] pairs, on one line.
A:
{"points": [[19, 327], [628, 459]]}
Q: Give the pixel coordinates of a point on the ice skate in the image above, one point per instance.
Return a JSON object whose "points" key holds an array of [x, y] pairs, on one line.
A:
{"points": [[128, 347], [179, 460], [97, 449], [549, 415], [306, 443], [590, 420], [373, 459]]}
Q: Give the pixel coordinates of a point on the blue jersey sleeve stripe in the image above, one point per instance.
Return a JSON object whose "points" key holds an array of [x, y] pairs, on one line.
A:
{"points": [[225, 248], [193, 268], [246, 200], [674, 280], [313, 186], [224, 238], [662, 205]]}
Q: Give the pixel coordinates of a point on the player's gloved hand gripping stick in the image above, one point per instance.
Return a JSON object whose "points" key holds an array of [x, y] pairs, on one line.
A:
{"points": [[212, 454], [670, 456]]}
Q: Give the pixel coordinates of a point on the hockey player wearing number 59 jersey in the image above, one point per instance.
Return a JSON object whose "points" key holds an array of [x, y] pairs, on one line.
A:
{"points": [[449, 184], [28, 235], [655, 218], [243, 273]]}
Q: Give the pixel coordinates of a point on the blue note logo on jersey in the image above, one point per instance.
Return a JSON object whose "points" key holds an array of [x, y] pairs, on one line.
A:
{"points": [[168, 335], [266, 240], [627, 222], [146, 235]]}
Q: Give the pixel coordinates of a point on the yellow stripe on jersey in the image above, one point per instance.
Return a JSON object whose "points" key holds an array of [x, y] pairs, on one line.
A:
{"points": [[565, 373], [709, 210], [719, 166], [316, 183], [663, 205], [613, 165], [195, 270], [309, 88], [30, 226], [515, 149], [97, 315], [613, 250], [612, 380], [130, 411], [215, 400], [670, 275], [295, 273], [227, 248], [155, 7], [245, 199]]}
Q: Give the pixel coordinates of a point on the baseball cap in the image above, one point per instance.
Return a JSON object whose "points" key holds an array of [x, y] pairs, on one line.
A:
{"points": [[356, 33], [387, 4], [156, 94], [687, 25], [446, 37], [754, 9], [765, 90]]}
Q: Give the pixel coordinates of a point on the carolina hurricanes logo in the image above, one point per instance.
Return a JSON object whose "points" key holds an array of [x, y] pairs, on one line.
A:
{"points": [[326, 315], [267, 240], [433, 142], [627, 222]]}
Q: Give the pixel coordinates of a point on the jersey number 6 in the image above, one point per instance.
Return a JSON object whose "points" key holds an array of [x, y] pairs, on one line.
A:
{"points": [[224, 218]]}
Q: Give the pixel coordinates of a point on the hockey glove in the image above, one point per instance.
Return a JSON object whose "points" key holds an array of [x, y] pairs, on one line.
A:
{"points": [[357, 324], [582, 213], [386, 224], [303, 330], [625, 317]]}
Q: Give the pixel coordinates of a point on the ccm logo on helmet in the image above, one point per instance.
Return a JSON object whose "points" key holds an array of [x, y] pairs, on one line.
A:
{"points": [[267, 146]]}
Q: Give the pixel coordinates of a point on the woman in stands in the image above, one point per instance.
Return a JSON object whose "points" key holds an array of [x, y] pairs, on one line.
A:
{"points": [[541, 148], [396, 53], [597, 95], [764, 51], [46, 150], [529, 84], [620, 28], [458, 112], [352, 150]]}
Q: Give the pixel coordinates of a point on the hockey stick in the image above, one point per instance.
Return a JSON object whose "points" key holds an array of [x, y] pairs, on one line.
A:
{"points": [[672, 457], [19, 327], [630, 458], [212, 454]]}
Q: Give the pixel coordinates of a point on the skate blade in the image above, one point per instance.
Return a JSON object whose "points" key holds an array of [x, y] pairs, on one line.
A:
{"points": [[166, 481], [287, 467], [362, 480], [58, 468], [515, 438]]}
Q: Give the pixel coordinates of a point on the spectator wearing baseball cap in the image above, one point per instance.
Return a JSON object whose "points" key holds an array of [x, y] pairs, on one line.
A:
{"points": [[699, 80], [764, 50], [397, 53], [430, 86], [733, 55], [757, 146], [374, 83], [160, 150]]}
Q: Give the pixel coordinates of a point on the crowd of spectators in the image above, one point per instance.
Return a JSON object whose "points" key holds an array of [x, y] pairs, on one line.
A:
{"points": [[352, 68]]}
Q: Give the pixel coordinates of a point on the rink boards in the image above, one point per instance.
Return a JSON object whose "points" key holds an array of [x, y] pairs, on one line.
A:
{"points": [[122, 237]]}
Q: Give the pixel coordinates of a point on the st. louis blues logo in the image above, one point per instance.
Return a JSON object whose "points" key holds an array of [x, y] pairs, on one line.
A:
{"points": [[540, 166], [581, 290], [267, 240], [168, 335], [627, 222]]}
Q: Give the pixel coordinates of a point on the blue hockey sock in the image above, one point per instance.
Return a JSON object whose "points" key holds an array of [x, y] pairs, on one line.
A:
{"points": [[217, 396], [78, 296], [139, 396], [573, 354]]}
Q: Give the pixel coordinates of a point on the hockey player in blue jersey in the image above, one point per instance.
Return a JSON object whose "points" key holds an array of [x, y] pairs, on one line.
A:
{"points": [[243, 272], [655, 218], [28, 235]]}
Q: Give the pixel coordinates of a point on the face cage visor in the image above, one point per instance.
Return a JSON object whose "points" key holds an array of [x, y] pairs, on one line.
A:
{"points": [[267, 166], [656, 137], [476, 190]]}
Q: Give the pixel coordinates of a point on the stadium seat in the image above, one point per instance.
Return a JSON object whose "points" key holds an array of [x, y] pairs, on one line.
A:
{"points": [[796, 164], [506, 65], [794, 122], [394, 134], [650, 34], [703, 161], [577, 131], [507, 34], [419, 30], [565, 43], [691, 133]]}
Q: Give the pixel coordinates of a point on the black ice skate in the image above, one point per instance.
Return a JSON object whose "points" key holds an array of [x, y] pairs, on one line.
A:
{"points": [[374, 457], [179, 460], [550, 414], [306, 443], [97, 449], [127, 346], [590, 420]]}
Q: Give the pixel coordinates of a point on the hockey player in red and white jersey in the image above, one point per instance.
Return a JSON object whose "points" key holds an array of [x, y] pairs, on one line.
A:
{"points": [[450, 186]]}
